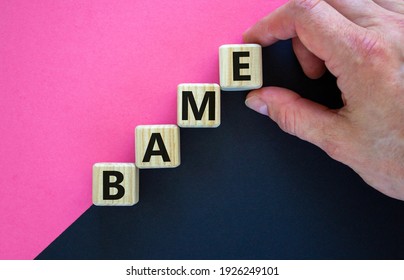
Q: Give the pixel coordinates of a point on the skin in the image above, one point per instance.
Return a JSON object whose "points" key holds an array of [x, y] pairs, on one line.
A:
{"points": [[361, 43]]}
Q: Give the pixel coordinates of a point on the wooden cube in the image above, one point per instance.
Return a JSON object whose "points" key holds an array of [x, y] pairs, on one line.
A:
{"points": [[198, 105], [240, 67], [157, 146], [115, 184]]}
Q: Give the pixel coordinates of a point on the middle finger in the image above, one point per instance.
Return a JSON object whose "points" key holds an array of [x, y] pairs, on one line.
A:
{"points": [[362, 12]]}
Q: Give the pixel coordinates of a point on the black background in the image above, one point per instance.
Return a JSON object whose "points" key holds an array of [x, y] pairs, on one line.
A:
{"points": [[246, 190]]}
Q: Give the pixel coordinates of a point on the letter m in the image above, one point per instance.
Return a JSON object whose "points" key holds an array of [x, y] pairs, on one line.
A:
{"points": [[188, 97]]}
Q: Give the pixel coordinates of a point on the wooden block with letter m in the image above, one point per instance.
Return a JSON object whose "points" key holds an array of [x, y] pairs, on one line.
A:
{"points": [[198, 105]]}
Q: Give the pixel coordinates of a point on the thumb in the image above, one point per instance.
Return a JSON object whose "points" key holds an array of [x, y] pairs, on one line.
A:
{"points": [[298, 116]]}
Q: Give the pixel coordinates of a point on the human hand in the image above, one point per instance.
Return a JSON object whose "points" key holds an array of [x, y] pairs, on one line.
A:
{"points": [[362, 44]]}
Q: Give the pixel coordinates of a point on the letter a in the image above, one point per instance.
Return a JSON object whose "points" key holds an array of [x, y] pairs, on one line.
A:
{"points": [[157, 146], [162, 151]]}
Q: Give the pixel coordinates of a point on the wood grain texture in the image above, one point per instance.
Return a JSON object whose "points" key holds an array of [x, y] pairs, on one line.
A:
{"points": [[157, 146], [240, 67], [198, 105], [130, 184]]}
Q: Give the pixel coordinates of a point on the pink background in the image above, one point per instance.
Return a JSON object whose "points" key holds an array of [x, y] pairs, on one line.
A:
{"points": [[76, 77]]}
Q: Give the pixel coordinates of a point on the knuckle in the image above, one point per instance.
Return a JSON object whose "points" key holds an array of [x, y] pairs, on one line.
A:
{"points": [[371, 46], [331, 147], [286, 120], [334, 139]]}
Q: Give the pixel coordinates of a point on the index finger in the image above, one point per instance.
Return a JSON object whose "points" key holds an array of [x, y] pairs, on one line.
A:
{"points": [[322, 29]]}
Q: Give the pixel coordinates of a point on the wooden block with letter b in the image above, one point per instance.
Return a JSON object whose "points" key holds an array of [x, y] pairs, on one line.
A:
{"points": [[198, 105], [115, 184], [240, 67], [157, 146]]}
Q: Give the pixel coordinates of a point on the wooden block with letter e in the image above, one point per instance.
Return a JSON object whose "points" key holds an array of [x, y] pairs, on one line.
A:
{"points": [[157, 146], [198, 105], [115, 184], [240, 67]]}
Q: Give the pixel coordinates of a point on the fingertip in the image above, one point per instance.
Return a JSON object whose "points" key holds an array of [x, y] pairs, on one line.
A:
{"points": [[249, 37], [256, 103], [315, 72], [312, 66], [253, 93], [246, 35], [259, 34]]}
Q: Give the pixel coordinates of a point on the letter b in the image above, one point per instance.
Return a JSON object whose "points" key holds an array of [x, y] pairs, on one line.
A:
{"points": [[108, 185], [115, 184]]}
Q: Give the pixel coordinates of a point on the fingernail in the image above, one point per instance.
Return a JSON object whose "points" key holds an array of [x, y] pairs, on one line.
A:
{"points": [[256, 104]]}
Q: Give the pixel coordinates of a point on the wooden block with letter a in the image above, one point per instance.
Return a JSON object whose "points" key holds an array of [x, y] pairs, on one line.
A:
{"points": [[115, 184], [198, 105], [157, 146], [240, 67]]}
